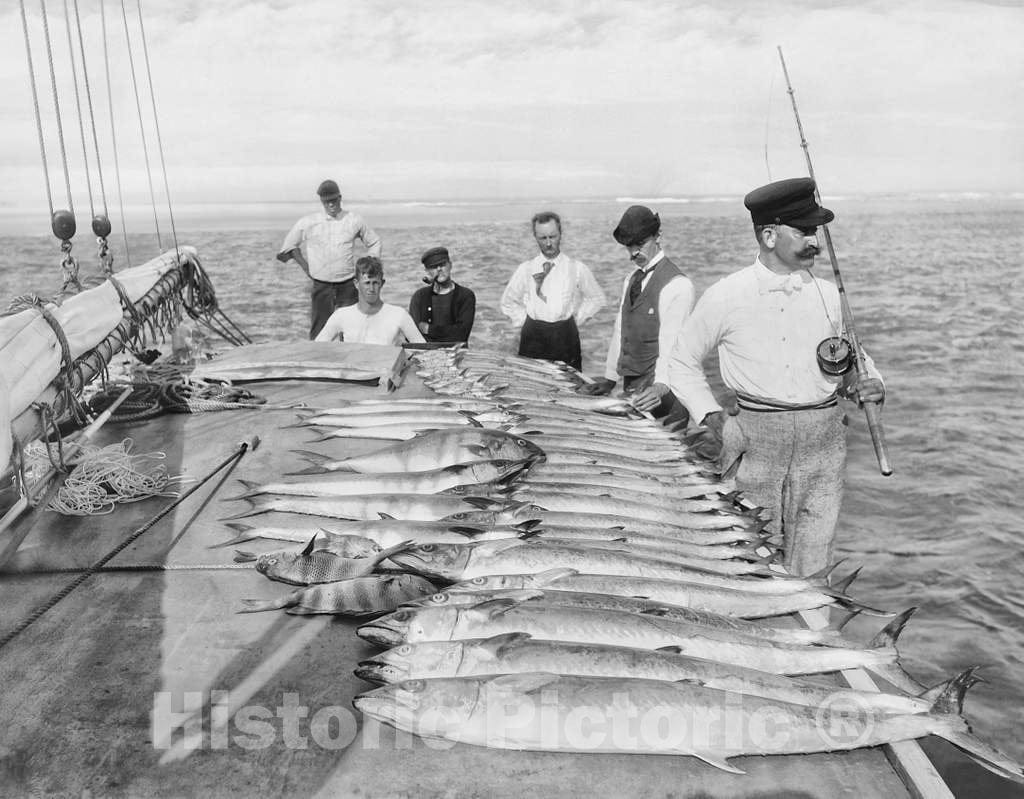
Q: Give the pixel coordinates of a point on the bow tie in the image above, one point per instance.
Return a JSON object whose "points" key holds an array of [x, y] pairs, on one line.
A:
{"points": [[787, 283]]}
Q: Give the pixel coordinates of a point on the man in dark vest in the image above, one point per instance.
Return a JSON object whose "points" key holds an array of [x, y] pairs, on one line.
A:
{"points": [[656, 299]]}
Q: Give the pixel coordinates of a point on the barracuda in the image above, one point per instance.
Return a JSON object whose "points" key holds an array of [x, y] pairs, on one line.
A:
{"points": [[422, 507], [541, 711]]}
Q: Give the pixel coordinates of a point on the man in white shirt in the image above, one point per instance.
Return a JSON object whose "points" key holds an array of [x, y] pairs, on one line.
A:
{"points": [[656, 299], [766, 322], [370, 320], [322, 245], [550, 296]]}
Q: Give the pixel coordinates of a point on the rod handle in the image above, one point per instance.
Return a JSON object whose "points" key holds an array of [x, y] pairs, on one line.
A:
{"points": [[874, 416]]}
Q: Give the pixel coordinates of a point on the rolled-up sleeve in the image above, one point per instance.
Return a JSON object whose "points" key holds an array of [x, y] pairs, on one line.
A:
{"points": [[293, 241]]}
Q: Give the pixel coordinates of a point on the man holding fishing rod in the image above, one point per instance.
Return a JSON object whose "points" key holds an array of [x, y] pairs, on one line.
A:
{"points": [[774, 325]]}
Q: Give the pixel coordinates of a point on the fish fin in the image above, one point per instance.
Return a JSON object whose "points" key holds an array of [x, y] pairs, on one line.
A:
{"points": [[886, 638], [953, 727], [494, 647], [499, 545], [493, 608], [310, 547], [467, 530], [528, 525], [474, 422], [239, 527], [258, 605], [656, 610], [843, 585], [674, 649], [384, 554], [553, 575], [714, 760], [526, 683], [386, 516], [948, 696], [843, 619], [244, 557], [478, 450], [482, 503]]}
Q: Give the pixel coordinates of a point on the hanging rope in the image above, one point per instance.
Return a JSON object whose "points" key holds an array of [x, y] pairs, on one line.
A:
{"points": [[92, 115], [56, 106], [156, 125], [35, 105], [142, 126], [113, 132], [78, 107]]}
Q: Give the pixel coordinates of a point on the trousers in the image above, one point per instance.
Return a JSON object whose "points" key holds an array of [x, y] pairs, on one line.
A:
{"points": [[325, 297], [793, 465]]}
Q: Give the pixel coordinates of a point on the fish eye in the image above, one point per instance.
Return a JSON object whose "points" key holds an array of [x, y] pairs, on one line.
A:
{"points": [[478, 580], [439, 597], [271, 561], [428, 547], [414, 686], [402, 615]]}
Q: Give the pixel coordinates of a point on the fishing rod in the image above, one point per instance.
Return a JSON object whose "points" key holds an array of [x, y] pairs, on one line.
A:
{"points": [[833, 352]]}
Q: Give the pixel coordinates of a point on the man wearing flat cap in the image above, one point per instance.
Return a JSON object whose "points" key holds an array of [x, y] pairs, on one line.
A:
{"points": [[322, 244], [550, 296], [766, 322], [656, 299], [443, 310]]}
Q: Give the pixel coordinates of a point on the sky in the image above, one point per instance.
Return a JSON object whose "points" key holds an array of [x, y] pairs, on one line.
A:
{"points": [[259, 100]]}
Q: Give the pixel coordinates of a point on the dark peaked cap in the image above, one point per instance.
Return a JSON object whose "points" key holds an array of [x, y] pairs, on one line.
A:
{"points": [[637, 225], [787, 202], [328, 189], [435, 256]]}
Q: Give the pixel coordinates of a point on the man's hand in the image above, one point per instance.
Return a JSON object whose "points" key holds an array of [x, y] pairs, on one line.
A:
{"points": [[423, 326], [650, 398], [868, 390], [599, 387]]}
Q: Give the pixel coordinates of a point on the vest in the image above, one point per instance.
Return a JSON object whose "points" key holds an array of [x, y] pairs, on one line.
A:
{"points": [[641, 323]]}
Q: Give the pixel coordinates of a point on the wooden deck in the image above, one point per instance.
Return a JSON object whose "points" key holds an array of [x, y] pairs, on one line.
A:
{"points": [[98, 690]]}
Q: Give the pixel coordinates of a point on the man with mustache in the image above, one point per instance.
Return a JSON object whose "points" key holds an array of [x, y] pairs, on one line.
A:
{"points": [[656, 299], [766, 322], [442, 310], [550, 296]]}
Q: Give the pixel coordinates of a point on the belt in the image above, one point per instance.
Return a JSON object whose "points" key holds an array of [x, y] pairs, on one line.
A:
{"points": [[757, 405], [334, 282]]}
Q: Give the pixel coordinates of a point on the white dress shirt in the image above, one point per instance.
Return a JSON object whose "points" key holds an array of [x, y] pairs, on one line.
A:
{"points": [[767, 328], [570, 290], [674, 305], [326, 242]]}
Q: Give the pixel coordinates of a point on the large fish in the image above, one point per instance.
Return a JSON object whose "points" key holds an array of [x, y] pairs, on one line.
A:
{"points": [[311, 566], [427, 417], [432, 450], [692, 521], [548, 712], [422, 507], [353, 484], [519, 653], [643, 631], [357, 596], [463, 562], [649, 545], [699, 618], [385, 531], [742, 597]]}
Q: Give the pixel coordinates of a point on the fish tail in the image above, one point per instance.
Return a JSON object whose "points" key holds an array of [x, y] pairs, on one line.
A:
{"points": [[946, 711], [252, 511], [241, 556], [251, 489], [884, 643], [259, 605], [243, 535], [401, 546], [888, 635], [316, 459]]}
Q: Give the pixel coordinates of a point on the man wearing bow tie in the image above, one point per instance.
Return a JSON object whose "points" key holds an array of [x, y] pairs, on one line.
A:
{"points": [[766, 322], [550, 296], [656, 299]]}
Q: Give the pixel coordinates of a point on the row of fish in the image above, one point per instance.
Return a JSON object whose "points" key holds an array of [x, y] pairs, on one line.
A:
{"points": [[591, 564]]}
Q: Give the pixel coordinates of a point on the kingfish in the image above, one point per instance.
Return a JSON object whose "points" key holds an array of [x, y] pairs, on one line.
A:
{"points": [[461, 562], [542, 711], [353, 484], [433, 450], [698, 618], [518, 653], [639, 630], [357, 596]]}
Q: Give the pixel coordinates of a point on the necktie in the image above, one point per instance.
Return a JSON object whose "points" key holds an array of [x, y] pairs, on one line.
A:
{"points": [[788, 283], [538, 277], [636, 285]]}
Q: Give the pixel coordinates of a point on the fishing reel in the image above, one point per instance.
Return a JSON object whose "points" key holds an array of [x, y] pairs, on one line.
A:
{"points": [[835, 356]]}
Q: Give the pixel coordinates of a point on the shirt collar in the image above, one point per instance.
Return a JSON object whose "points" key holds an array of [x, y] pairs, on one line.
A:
{"points": [[767, 280], [657, 259]]}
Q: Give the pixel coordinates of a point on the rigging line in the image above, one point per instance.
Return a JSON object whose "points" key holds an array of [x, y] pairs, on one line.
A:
{"points": [[56, 106], [767, 117], [156, 124], [142, 125], [35, 104], [78, 106], [113, 133], [92, 115]]}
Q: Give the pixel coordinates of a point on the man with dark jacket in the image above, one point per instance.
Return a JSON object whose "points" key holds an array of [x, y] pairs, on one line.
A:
{"points": [[656, 299], [443, 310]]}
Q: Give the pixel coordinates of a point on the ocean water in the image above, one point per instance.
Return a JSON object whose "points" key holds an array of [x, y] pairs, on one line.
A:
{"points": [[937, 287]]}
